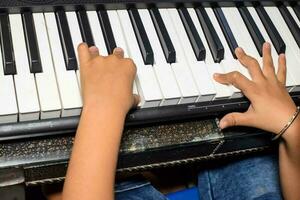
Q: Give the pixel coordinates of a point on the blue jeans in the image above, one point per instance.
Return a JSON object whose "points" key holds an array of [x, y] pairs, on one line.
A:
{"points": [[137, 190], [249, 179]]}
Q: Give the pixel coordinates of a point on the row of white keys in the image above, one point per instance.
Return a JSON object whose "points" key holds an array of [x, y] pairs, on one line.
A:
{"points": [[8, 105], [290, 83], [76, 38], [181, 69], [66, 80], [163, 70], [119, 38], [221, 91], [27, 97], [46, 82], [229, 63], [147, 84], [292, 50]]}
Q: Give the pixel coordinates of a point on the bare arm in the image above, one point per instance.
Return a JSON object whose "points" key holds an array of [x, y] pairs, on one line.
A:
{"points": [[271, 108], [107, 96]]}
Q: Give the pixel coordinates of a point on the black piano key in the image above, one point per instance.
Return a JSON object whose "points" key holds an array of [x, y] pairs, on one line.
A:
{"points": [[66, 40], [85, 28], [226, 30], [163, 35], [297, 10], [211, 35], [192, 33], [107, 31], [254, 31], [271, 29], [141, 36], [9, 66], [290, 21], [31, 43]]}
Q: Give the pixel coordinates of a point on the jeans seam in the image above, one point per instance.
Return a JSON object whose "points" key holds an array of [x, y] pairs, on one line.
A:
{"points": [[210, 186], [132, 188]]}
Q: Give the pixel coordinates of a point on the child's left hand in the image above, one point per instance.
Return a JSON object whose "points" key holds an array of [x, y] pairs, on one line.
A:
{"points": [[107, 81]]}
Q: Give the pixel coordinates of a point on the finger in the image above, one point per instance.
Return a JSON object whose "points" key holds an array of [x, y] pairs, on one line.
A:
{"points": [[250, 63], [234, 119], [281, 73], [84, 53], [94, 51], [118, 52], [136, 100], [236, 79], [268, 66]]}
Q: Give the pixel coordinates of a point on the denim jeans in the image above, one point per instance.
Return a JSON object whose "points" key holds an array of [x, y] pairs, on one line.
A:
{"points": [[249, 179], [137, 190], [253, 178]]}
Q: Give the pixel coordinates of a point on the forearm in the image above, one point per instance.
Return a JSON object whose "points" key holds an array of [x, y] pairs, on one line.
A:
{"points": [[289, 161], [91, 171]]}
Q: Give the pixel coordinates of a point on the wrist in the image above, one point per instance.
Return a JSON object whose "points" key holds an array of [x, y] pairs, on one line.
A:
{"points": [[109, 109], [293, 132]]}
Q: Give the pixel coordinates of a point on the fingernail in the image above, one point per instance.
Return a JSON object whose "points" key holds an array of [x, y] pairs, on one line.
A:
{"points": [[216, 75], [118, 50], [223, 124], [93, 49], [238, 50], [267, 45], [82, 45], [282, 55]]}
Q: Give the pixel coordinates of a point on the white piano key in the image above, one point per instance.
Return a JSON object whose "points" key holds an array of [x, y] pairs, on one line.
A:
{"points": [[27, 97], [183, 74], [146, 82], [290, 82], [117, 31], [229, 64], [274, 13], [244, 37], [222, 91], [120, 40], [239, 38], [97, 32], [66, 80], [163, 70], [291, 10], [76, 38], [46, 81], [8, 105], [292, 51]]}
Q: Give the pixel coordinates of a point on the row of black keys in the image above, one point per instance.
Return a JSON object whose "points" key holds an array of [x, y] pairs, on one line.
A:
{"points": [[214, 42]]}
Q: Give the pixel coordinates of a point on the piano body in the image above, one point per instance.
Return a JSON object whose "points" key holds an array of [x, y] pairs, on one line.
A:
{"points": [[176, 45]]}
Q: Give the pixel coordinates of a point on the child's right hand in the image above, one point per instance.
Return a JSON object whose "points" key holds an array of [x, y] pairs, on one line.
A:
{"points": [[271, 105]]}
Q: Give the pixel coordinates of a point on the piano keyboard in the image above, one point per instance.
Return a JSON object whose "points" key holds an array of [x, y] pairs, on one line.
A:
{"points": [[176, 51]]}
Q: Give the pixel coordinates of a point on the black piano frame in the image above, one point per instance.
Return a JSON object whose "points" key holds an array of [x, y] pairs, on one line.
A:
{"points": [[15, 6]]}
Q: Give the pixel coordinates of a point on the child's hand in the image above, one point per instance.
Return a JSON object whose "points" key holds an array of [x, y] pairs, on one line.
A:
{"points": [[271, 105], [107, 81]]}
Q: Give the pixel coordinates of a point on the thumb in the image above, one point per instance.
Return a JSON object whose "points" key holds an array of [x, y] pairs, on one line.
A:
{"points": [[234, 119]]}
